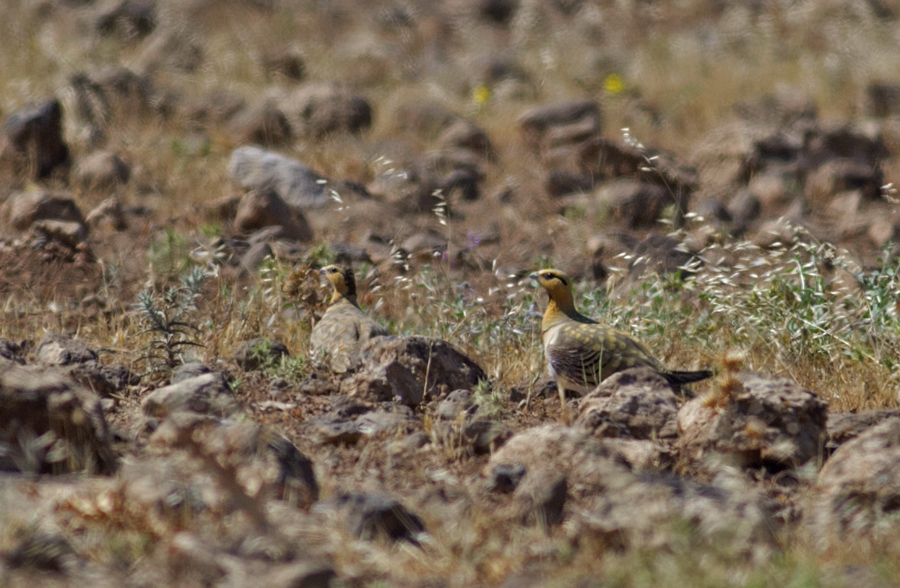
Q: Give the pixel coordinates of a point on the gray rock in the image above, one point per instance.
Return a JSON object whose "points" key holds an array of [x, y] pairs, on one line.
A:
{"points": [[765, 422], [845, 426], [589, 464], [59, 349], [69, 234], [51, 424], [128, 19], [455, 403], [298, 185], [206, 394], [10, 352], [31, 141], [636, 404], [858, 490], [298, 574], [403, 363]]}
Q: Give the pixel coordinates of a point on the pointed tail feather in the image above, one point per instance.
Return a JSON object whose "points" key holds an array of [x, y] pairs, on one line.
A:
{"points": [[681, 378]]}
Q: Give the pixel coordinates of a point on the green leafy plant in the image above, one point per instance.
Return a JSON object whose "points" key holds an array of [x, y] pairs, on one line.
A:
{"points": [[166, 318]]}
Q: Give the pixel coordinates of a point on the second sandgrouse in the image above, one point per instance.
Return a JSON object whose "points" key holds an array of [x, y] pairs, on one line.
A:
{"points": [[340, 334], [581, 352]]}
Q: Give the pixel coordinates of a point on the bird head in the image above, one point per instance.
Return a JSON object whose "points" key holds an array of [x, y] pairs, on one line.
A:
{"points": [[558, 285], [342, 280]]}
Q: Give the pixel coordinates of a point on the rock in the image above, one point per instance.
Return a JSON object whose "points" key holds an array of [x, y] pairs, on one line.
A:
{"points": [[26, 208], [51, 424], [634, 203], [265, 208], [766, 422], [561, 183], [42, 552], [827, 142], [390, 381], [541, 500], [58, 349], [464, 134], [207, 394], [373, 516], [485, 436], [536, 122], [380, 421], [105, 380], [642, 512], [636, 404], [882, 99], [298, 574], [858, 491], [253, 258], [10, 352], [267, 460], [109, 211], [285, 63], [644, 455], [259, 353], [317, 110], [840, 175], [171, 48], [262, 123], [69, 234], [256, 169], [496, 12], [128, 19], [106, 96], [336, 431], [659, 254], [455, 403], [588, 464], [846, 426], [190, 559], [102, 171], [186, 371], [31, 141], [393, 367]]}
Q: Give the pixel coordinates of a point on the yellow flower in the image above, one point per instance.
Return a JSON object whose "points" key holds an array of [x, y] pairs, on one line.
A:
{"points": [[481, 94], [613, 84]]}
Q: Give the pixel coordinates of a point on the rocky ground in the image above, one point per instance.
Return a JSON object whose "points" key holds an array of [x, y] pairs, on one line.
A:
{"points": [[718, 177]]}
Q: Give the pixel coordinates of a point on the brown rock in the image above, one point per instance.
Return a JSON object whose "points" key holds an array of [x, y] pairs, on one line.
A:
{"points": [[262, 123], [51, 424], [321, 109], [206, 394], [770, 422], [859, 486], [536, 122], [265, 208], [636, 403], [846, 426], [31, 141], [635, 204]]}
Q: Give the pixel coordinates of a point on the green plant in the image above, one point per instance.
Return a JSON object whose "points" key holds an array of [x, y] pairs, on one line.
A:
{"points": [[166, 318]]}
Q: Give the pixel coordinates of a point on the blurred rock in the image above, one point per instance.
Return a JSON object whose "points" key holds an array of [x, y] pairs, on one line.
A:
{"points": [[31, 141], [635, 204], [882, 99], [263, 207], [858, 491], [317, 110], [840, 175], [636, 403], [537, 122], [541, 500], [207, 394], [456, 402], [170, 48], [51, 424], [261, 123], [256, 169], [765, 422], [423, 118], [846, 426], [127, 19], [373, 516], [286, 63], [10, 352]]}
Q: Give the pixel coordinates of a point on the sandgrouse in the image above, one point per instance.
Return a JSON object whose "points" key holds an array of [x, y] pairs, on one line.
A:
{"points": [[344, 328], [581, 352]]}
